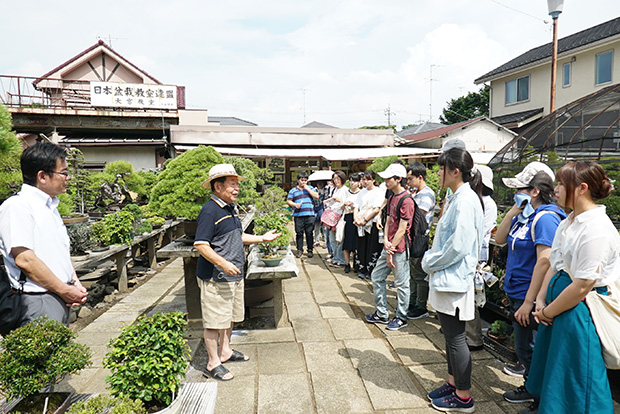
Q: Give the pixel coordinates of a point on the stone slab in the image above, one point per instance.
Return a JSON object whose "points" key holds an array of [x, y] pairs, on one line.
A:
{"points": [[389, 386], [340, 391], [312, 330], [236, 396], [282, 358], [284, 393], [263, 336], [336, 310], [416, 349], [369, 352], [301, 305], [350, 329], [327, 356]]}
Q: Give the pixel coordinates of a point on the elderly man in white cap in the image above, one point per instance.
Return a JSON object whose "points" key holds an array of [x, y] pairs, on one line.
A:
{"points": [[220, 240]]}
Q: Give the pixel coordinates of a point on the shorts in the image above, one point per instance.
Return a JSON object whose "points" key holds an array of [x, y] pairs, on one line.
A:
{"points": [[221, 302]]}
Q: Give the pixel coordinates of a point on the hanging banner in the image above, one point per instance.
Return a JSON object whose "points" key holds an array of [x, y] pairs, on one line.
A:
{"points": [[133, 95]]}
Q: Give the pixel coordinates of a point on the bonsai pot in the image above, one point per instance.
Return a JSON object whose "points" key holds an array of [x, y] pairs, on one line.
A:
{"points": [[257, 291], [271, 261], [58, 403], [190, 227], [78, 218]]}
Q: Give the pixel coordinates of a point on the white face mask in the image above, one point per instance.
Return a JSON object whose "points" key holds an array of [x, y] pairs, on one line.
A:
{"points": [[525, 201]]}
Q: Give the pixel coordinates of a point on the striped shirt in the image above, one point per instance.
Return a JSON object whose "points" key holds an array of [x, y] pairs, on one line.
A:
{"points": [[304, 198]]}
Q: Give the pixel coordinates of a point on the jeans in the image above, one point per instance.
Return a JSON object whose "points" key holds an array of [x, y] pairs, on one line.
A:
{"points": [[419, 286], [304, 225], [459, 358], [336, 248], [330, 250], [401, 280], [525, 336]]}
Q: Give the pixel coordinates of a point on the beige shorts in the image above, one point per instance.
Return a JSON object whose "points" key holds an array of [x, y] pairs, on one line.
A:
{"points": [[221, 302]]}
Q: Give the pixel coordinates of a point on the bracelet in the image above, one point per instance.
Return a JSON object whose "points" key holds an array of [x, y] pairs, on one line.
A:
{"points": [[542, 311]]}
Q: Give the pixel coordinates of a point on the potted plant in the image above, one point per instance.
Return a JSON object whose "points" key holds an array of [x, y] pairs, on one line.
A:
{"points": [[108, 404], [148, 359], [273, 221], [114, 228], [36, 356], [498, 330], [80, 237]]}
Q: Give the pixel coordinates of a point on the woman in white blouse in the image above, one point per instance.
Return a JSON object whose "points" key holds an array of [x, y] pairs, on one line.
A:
{"points": [[568, 372]]}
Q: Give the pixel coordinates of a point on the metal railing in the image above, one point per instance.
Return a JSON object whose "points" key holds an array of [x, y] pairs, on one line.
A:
{"points": [[21, 92]]}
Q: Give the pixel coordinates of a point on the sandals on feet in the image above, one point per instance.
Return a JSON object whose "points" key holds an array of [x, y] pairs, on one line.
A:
{"points": [[218, 373], [237, 356]]}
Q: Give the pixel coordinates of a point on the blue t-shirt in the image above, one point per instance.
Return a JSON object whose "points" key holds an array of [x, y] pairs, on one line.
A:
{"points": [[304, 198], [522, 249]]}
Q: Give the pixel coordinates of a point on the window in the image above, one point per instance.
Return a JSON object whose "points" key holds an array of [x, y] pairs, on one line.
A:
{"points": [[518, 90], [567, 71], [603, 67]]}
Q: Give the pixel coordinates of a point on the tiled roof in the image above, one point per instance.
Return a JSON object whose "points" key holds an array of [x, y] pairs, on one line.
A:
{"points": [[230, 120], [436, 133], [580, 39], [315, 124], [102, 44], [426, 126], [517, 116]]}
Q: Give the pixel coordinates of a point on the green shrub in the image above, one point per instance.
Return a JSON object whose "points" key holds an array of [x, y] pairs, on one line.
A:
{"points": [[273, 221], [148, 359], [65, 207], [178, 192], [10, 153], [272, 200], [156, 221], [114, 228], [106, 404], [135, 211], [144, 227], [37, 355], [255, 177]]}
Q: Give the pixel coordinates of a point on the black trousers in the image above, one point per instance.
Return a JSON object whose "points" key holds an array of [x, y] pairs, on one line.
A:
{"points": [[304, 224]]}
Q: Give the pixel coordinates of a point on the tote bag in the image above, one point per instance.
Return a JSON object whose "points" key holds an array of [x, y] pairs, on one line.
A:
{"points": [[330, 218], [605, 311]]}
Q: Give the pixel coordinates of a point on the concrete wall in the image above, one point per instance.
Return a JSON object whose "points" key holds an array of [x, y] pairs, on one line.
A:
{"points": [[480, 136], [582, 83], [142, 158]]}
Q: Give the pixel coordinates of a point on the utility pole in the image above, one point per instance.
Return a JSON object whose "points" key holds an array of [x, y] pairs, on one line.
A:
{"points": [[303, 91], [430, 81], [388, 112]]}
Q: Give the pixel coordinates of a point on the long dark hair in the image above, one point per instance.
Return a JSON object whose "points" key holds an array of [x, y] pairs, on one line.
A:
{"points": [[575, 173], [458, 158]]}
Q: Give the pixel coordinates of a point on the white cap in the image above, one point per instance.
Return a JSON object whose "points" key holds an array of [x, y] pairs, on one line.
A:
{"points": [[394, 170], [453, 143], [523, 179], [221, 170], [487, 175]]}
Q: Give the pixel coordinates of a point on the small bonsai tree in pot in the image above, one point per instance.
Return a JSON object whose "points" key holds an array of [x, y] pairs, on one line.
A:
{"points": [[36, 356], [498, 330]]}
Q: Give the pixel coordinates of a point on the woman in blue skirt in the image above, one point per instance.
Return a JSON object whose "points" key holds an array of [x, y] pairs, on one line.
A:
{"points": [[568, 373]]}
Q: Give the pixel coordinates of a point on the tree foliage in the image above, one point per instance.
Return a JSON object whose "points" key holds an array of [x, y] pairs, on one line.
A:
{"points": [[470, 106], [10, 153]]}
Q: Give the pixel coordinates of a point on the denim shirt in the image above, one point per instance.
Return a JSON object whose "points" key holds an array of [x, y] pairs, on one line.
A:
{"points": [[451, 262]]}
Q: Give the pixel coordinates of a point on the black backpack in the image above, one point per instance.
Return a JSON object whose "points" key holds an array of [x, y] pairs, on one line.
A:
{"points": [[417, 240], [10, 303]]}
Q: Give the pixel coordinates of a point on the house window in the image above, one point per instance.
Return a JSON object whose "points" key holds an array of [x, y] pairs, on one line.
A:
{"points": [[518, 90], [567, 72], [603, 67]]}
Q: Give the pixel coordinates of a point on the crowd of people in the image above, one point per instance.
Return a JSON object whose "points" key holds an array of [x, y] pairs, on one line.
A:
{"points": [[554, 261]]}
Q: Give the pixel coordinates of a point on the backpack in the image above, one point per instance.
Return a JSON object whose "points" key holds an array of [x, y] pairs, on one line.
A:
{"points": [[10, 303], [417, 240]]}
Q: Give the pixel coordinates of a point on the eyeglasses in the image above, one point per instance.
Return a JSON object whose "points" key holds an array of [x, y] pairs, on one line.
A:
{"points": [[63, 173]]}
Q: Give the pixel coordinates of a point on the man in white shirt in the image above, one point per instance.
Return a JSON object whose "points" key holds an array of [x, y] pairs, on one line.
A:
{"points": [[34, 240]]}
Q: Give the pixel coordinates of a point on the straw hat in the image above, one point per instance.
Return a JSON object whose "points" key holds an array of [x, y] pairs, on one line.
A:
{"points": [[221, 170]]}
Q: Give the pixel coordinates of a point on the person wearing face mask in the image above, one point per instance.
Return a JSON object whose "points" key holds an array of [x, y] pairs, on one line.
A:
{"points": [[528, 228]]}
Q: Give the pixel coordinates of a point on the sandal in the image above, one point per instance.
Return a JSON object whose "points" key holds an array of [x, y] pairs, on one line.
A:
{"points": [[218, 373], [237, 356]]}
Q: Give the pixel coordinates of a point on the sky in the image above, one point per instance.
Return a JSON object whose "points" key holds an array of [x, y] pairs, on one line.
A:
{"points": [[285, 63]]}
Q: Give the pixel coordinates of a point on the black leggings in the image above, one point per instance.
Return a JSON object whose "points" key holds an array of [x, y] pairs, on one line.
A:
{"points": [[459, 358]]}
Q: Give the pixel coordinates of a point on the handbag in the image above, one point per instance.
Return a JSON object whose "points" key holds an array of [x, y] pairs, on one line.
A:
{"points": [[605, 311], [330, 218], [10, 303], [340, 230]]}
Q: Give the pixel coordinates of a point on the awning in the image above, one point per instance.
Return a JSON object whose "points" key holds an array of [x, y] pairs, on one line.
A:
{"points": [[330, 154]]}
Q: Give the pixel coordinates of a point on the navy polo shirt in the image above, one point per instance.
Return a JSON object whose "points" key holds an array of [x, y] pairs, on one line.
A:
{"points": [[219, 227]]}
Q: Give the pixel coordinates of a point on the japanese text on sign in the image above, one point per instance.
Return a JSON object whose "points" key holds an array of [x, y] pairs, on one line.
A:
{"points": [[131, 95]]}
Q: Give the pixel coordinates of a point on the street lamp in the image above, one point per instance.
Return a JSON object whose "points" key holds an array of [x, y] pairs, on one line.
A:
{"points": [[555, 8]]}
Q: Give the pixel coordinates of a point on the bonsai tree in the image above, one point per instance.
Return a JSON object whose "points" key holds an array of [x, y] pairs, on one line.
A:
{"points": [[178, 191], [10, 153], [80, 237], [499, 329], [273, 221], [254, 177], [114, 228], [108, 404], [79, 186], [148, 359], [37, 355]]}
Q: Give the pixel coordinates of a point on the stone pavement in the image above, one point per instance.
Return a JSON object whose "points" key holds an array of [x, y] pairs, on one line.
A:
{"points": [[327, 360]]}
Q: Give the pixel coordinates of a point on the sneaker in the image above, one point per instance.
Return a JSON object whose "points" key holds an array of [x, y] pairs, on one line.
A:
{"points": [[452, 402], [347, 268], [391, 285], [445, 389], [310, 255], [329, 256], [374, 318], [532, 409], [516, 370], [396, 324], [417, 313], [361, 276], [299, 254], [520, 395], [336, 264]]}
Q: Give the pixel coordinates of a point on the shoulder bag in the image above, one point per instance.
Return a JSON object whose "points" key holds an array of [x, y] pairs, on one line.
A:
{"points": [[605, 311]]}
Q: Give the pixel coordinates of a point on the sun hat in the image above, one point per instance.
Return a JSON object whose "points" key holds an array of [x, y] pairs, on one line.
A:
{"points": [[453, 143], [523, 179], [487, 176], [394, 170], [221, 170]]}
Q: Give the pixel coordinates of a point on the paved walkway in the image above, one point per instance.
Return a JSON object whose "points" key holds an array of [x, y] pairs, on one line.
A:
{"points": [[327, 360]]}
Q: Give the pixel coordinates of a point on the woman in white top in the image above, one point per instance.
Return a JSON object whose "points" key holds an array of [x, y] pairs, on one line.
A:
{"points": [[568, 372], [365, 216], [336, 203]]}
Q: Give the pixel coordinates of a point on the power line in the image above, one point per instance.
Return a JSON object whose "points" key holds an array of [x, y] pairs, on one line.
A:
{"points": [[520, 11]]}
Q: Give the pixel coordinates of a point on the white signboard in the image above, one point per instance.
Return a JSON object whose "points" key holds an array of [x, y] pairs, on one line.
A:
{"points": [[133, 95]]}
